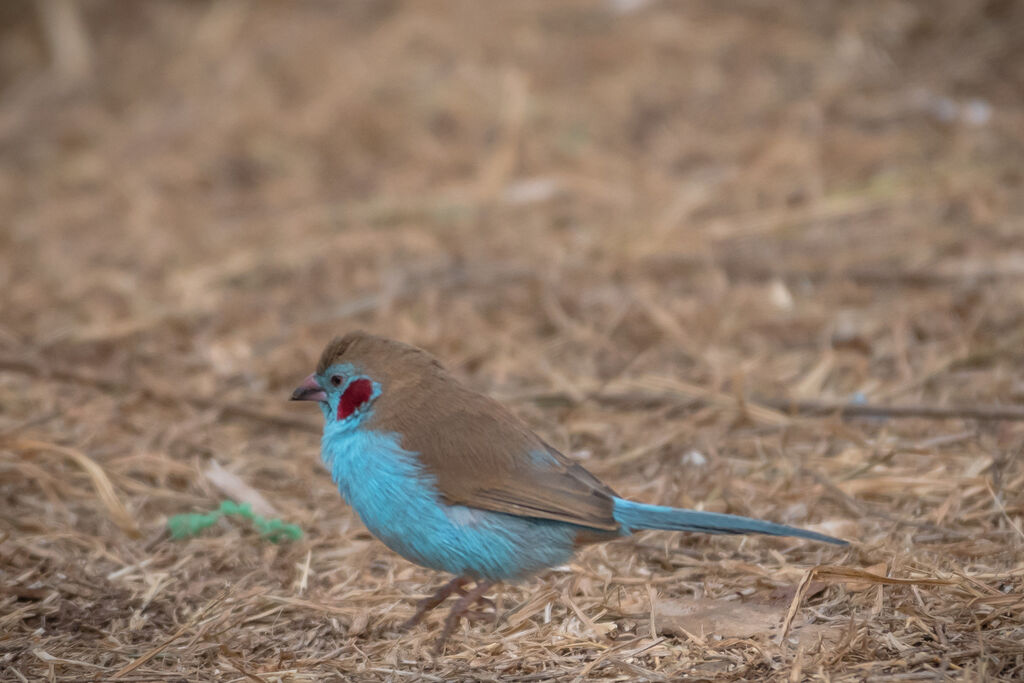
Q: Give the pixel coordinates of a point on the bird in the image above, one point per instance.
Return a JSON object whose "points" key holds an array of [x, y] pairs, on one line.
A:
{"points": [[452, 480]]}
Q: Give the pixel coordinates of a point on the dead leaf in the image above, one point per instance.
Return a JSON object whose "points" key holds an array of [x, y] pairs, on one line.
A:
{"points": [[699, 619]]}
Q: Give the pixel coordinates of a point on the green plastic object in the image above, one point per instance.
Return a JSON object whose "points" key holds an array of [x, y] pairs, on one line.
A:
{"points": [[192, 524]]}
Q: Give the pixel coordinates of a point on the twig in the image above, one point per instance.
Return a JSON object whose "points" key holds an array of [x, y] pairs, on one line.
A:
{"points": [[919, 278], [909, 410], [1002, 508], [774, 408], [115, 387]]}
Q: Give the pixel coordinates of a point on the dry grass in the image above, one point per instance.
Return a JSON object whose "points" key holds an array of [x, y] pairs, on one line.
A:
{"points": [[651, 233]]}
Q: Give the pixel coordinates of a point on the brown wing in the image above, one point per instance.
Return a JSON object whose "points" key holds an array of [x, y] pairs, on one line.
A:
{"points": [[484, 457]]}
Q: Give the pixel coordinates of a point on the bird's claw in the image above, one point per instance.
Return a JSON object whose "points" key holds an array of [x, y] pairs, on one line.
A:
{"points": [[461, 608], [481, 615], [428, 603]]}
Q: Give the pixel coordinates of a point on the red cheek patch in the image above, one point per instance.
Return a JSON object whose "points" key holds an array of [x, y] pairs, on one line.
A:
{"points": [[355, 395]]}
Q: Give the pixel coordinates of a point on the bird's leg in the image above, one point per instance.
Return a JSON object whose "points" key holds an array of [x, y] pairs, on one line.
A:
{"points": [[486, 602], [429, 603], [461, 609]]}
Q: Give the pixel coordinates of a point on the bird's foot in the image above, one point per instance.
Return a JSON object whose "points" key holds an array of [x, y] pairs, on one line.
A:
{"points": [[482, 601], [481, 615], [429, 603], [461, 608]]}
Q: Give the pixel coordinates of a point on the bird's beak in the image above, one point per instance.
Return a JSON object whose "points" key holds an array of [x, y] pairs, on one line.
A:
{"points": [[309, 390]]}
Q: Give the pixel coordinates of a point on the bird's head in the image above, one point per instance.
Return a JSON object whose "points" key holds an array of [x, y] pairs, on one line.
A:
{"points": [[357, 371]]}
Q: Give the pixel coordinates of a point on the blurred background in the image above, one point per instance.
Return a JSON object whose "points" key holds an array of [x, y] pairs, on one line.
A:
{"points": [[649, 227]]}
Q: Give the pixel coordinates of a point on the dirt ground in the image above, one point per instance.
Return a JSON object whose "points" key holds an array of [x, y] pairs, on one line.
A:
{"points": [[674, 237]]}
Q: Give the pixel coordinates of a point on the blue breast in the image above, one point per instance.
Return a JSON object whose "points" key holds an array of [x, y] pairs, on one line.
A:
{"points": [[399, 503]]}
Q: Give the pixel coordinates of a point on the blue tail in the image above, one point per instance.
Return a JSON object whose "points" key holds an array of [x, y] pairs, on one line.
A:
{"points": [[635, 516]]}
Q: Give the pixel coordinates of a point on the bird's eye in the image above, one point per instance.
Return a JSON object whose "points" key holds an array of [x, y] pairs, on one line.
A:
{"points": [[336, 380]]}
